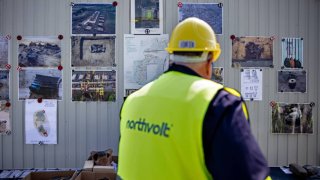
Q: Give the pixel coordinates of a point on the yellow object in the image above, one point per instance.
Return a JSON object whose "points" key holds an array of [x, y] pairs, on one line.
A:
{"points": [[236, 93], [194, 35], [161, 128]]}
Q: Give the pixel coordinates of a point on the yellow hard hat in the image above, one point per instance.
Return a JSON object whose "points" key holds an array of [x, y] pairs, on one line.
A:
{"points": [[194, 35]]}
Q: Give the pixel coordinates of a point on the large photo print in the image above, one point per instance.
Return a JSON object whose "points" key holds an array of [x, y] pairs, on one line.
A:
{"points": [[37, 51], [292, 118], [94, 86], [40, 83], [93, 19], [208, 12], [252, 52], [96, 51]]}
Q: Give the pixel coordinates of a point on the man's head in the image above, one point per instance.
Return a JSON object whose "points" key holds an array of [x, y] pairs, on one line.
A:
{"points": [[193, 43]]}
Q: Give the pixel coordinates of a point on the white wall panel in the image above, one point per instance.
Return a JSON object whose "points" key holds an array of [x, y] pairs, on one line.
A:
{"points": [[83, 127]]}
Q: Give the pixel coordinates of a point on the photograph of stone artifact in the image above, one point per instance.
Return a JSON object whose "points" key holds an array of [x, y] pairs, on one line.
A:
{"points": [[292, 81], [4, 51], [4, 84], [217, 74], [252, 52], [5, 122]]}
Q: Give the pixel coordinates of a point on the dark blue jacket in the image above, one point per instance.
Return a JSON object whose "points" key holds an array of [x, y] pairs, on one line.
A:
{"points": [[230, 150]]}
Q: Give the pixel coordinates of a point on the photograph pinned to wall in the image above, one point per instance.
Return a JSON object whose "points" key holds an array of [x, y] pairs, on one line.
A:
{"points": [[39, 51], [40, 83], [292, 53], [208, 12], [292, 118], [251, 84], [4, 85], [93, 18], [5, 124], [145, 59], [146, 16], [130, 91], [217, 75], [94, 85], [4, 51], [98, 51], [292, 81], [41, 121], [252, 51]]}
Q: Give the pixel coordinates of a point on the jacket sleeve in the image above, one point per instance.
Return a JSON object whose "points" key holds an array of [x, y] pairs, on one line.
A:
{"points": [[230, 150]]}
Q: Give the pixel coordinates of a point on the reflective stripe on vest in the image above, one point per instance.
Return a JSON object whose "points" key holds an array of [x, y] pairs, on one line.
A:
{"points": [[161, 128]]}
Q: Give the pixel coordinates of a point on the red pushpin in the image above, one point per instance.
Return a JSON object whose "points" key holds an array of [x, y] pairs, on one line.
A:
{"points": [[232, 37], [180, 4], [8, 104], [60, 67], [115, 3], [39, 100]]}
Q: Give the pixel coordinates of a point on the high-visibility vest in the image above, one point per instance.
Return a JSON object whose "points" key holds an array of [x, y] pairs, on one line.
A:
{"points": [[161, 129]]}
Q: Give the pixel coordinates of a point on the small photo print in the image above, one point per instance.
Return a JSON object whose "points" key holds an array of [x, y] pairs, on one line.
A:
{"points": [[292, 53], [93, 18], [217, 75], [4, 85], [252, 52], [208, 12], [5, 124], [37, 51], [94, 85], [292, 81], [146, 16], [4, 51], [40, 83], [292, 118], [89, 51], [130, 91]]}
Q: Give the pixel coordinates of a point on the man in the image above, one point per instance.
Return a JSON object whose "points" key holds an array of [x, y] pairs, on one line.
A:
{"points": [[184, 126]]}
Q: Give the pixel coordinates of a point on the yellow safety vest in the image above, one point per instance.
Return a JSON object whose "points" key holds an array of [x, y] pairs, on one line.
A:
{"points": [[161, 129]]}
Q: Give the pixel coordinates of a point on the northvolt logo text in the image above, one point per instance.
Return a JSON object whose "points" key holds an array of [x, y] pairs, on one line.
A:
{"points": [[143, 126]]}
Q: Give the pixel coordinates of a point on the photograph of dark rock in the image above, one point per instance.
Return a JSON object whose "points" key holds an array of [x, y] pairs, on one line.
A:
{"points": [[252, 52], [292, 81]]}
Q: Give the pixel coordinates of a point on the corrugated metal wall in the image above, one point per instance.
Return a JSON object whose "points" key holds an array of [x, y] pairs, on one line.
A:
{"points": [[83, 127]]}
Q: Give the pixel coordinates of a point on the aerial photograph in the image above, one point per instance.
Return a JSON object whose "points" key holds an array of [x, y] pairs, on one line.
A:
{"points": [[93, 19]]}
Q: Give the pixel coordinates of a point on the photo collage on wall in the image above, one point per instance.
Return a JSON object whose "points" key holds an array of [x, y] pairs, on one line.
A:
{"points": [[257, 52], [5, 120], [292, 78], [38, 60], [39, 82], [251, 53], [145, 58], [93, 52]]}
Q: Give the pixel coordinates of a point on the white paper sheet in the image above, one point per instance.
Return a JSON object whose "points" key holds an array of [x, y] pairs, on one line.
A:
{"points": [[41, 121], [145, 59], [251, 84]]}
